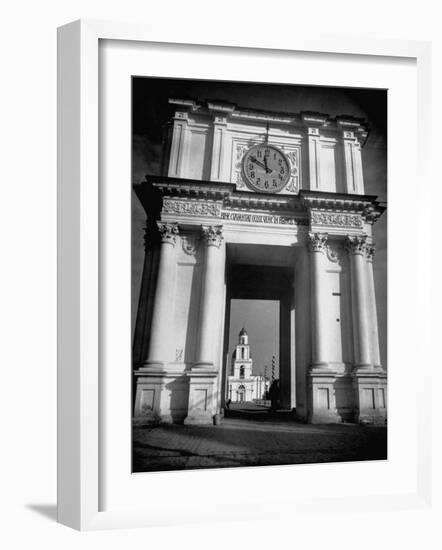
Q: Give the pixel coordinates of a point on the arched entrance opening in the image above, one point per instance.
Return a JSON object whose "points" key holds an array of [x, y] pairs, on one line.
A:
{"points": [[264, 273]]}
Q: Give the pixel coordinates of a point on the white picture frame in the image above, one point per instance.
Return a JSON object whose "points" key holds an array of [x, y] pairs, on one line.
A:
{"points": [[79, 274]]}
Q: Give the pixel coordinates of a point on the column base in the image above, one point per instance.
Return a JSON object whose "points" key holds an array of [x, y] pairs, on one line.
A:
{"points": [[370, 389], [202, 394], [320, 367], [161, 396], [322, 400]]}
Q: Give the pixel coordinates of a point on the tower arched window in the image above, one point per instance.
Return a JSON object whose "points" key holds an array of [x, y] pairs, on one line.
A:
{"points": [[241, 371]]}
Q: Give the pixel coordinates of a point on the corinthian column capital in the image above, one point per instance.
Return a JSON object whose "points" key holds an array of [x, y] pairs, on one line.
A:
{"points": [[213, 235], [168, 232], [317, 242], [370, 251], [356, 244]]}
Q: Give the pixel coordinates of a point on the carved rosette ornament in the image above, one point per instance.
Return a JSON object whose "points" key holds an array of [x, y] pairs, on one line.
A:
{"points": [[370, 251], [168, 232], [333, 253], [356, 244], [213, 235], [317, 242]]}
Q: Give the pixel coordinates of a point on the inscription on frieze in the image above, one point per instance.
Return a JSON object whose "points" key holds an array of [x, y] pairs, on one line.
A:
{"points": [[263, 218]]}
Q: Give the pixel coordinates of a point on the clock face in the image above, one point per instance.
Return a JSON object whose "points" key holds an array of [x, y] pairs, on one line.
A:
{"points": [[266, 168]]}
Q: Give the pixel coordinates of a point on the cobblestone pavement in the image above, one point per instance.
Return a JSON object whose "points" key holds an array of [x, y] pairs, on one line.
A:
{"points": [[250, 436]]}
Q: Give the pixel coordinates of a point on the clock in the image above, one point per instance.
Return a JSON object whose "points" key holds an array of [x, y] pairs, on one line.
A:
{"points": [[266, 168]]}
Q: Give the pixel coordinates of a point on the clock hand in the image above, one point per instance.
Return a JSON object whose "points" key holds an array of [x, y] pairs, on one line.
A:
{"points": [[268, 171], [259, 163]]}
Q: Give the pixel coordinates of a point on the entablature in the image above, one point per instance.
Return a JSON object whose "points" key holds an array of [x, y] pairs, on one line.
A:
{"points": [[191, 202]]}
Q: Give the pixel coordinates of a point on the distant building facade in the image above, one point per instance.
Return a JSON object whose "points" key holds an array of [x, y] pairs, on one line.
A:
{"points": [[242, 384]]}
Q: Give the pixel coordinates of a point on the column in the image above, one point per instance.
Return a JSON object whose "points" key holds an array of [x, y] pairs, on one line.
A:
{"points": [[162, 316], [374, 331], [203, 403], [211, 298], [317, 246], [369, 383], [321, 380], [356, 247]]}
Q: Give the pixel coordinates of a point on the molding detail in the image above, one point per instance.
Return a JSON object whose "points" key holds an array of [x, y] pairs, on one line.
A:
{"points": [[191, 208], [356, 244], [168, 232], [317, 242], [213, 235], [328, 218]]}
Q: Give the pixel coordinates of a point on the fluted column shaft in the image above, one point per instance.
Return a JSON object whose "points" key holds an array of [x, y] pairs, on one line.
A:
{"points": [[212, 297], [374, 330], [356, 247], [317, 243], [162, 316]]}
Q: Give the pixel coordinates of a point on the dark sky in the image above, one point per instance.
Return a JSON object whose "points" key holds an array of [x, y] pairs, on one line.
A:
{"points": [[151, 111]]}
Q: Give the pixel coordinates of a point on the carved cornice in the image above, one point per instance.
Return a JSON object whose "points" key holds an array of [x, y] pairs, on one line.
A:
{"points": [[213, 235], [317, 242], [168, 232], [335, 201], [356, 244], [371, 214]]}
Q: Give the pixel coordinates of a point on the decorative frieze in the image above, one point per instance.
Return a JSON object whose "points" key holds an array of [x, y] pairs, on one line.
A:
{"points": [[191, 208], [213, 235], [341, 220], [168, 232], [317, 242], [356, 244]]}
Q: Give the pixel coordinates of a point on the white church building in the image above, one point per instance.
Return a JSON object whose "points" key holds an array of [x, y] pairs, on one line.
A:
{"points": [[242, 384]]}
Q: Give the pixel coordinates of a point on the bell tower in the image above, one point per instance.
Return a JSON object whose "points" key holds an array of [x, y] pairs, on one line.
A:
{"points": [[243, 363]]}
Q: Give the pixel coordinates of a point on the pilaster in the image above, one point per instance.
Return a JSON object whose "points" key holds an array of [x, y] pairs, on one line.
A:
{"points": [[179, 146], [218, 147], [314, 158], [353, 163]]}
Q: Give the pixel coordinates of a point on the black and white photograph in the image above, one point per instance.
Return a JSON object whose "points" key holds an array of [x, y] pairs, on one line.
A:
{"points": [[259, 265], [223, 274]]}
